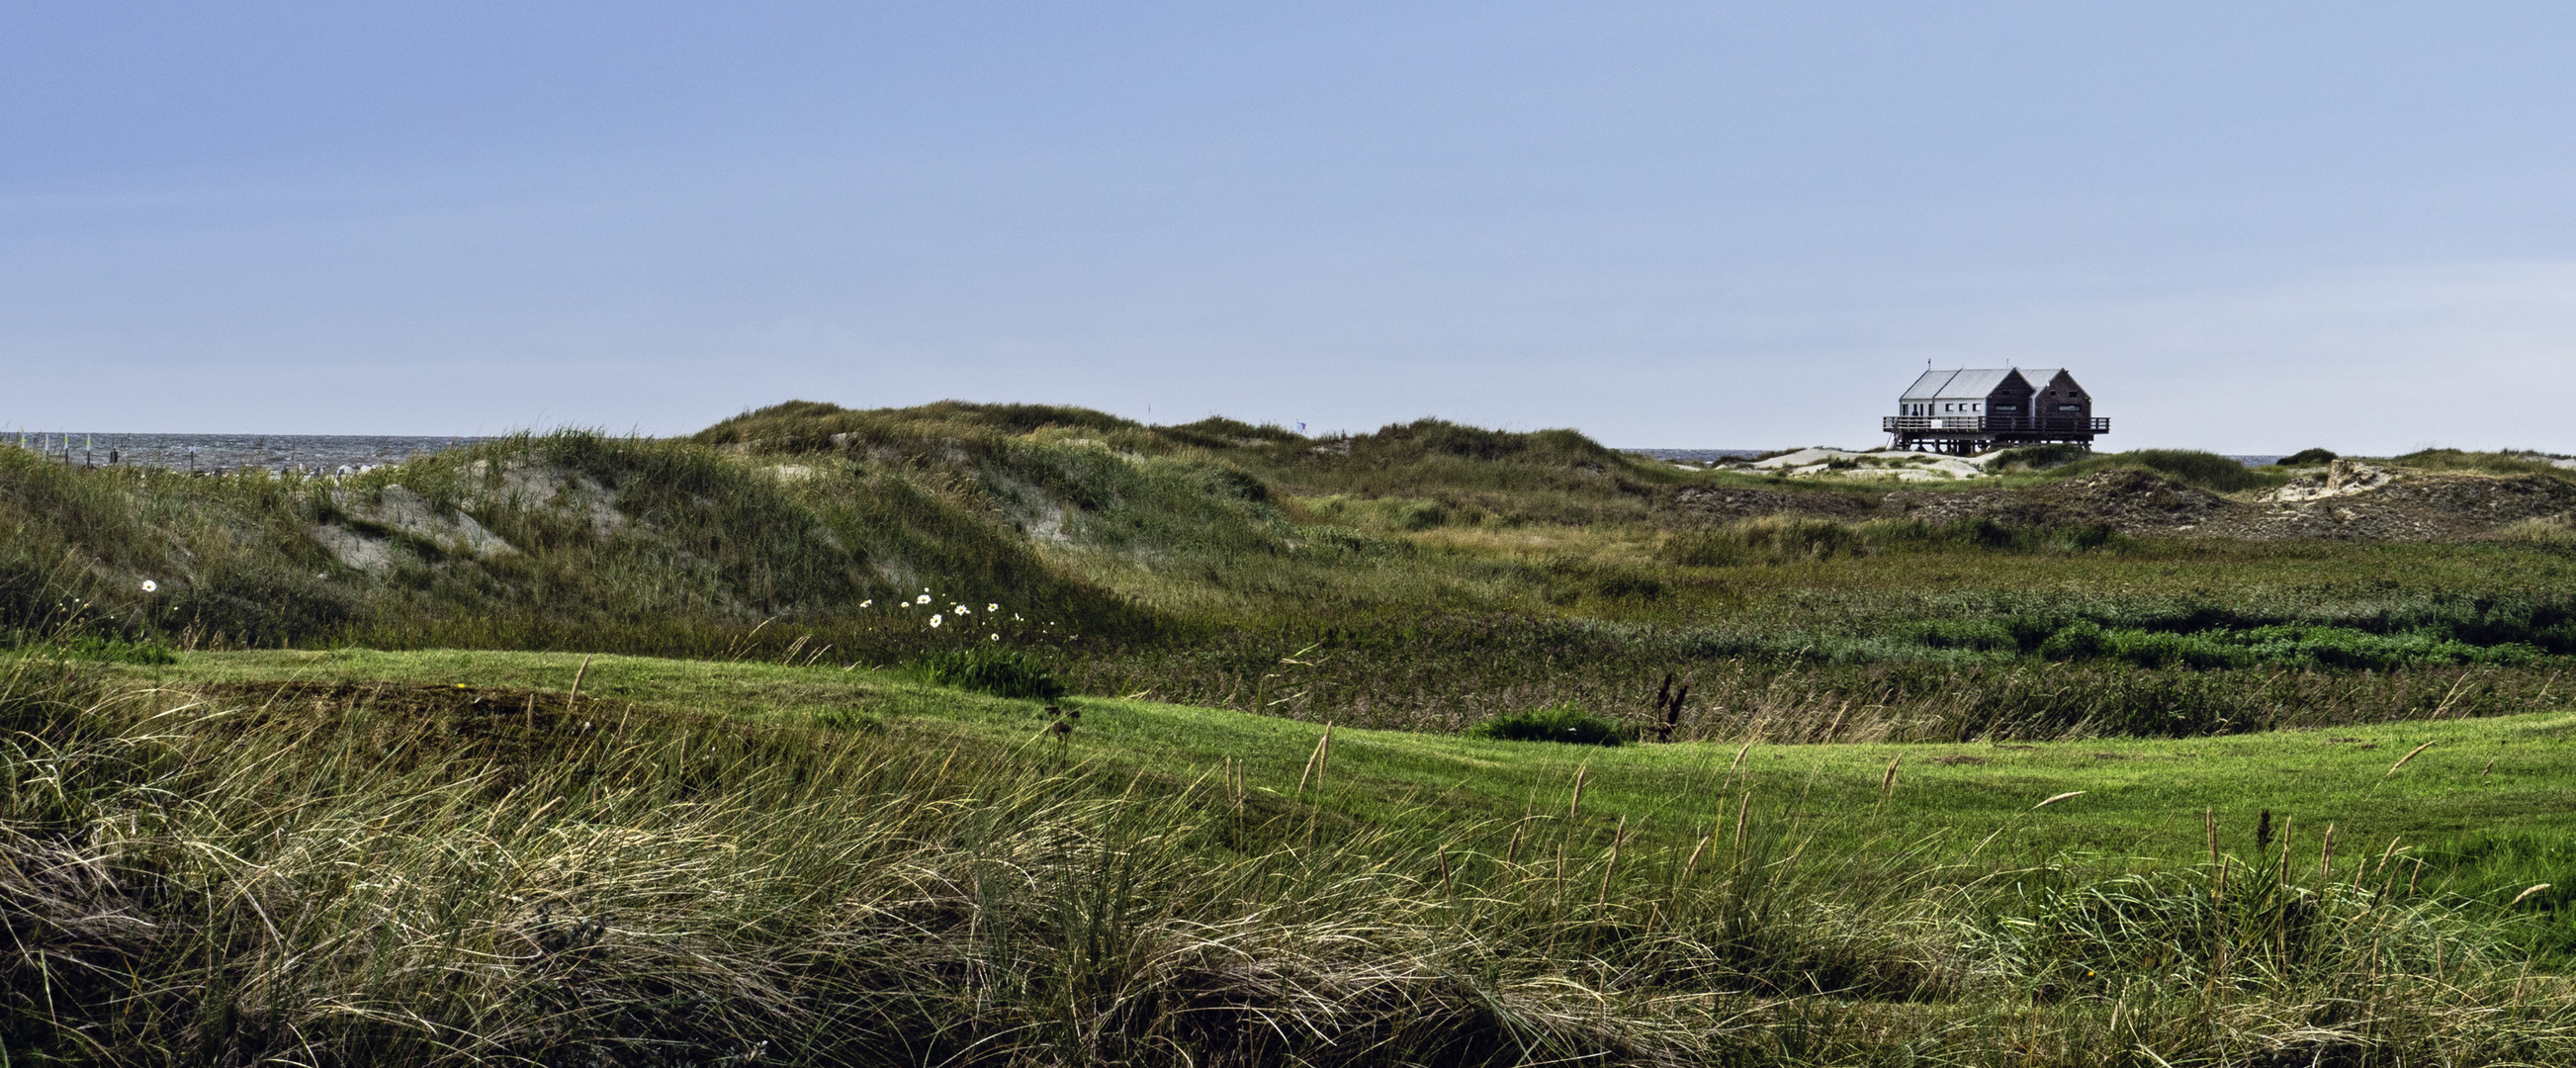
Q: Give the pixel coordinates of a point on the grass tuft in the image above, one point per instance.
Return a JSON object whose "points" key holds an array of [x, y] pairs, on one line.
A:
{"points": [[1555, 723]]}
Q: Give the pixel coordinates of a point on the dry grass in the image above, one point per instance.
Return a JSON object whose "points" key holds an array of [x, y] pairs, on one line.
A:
{"points": [[2546, 530], [453, 875]]}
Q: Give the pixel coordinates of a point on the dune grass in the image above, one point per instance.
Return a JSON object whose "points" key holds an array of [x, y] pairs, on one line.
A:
{"points": [[449, 857], [1444, 575], [680, 777], [2143, 795]]}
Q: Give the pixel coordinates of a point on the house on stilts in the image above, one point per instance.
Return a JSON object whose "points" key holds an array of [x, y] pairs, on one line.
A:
{"points": [[1970, 410]]}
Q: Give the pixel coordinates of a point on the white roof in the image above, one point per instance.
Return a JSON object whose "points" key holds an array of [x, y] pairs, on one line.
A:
{"points": [[1971, 383], [1976, 383]]}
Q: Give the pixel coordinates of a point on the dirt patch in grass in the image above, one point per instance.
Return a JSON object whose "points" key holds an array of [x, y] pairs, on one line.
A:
{"points": [[2406, 507], [1721, 504], [2135, 502], [2410, 508]]}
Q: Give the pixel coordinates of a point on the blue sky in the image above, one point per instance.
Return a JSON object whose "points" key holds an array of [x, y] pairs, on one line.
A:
{"points": [[2246, 226]]}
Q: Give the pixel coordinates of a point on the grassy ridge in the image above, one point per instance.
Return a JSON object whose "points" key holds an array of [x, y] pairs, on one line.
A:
{"points": [[1443, 574], [609, 543], [685, 864]]}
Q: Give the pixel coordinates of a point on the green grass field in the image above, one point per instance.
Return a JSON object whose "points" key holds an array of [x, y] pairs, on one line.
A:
{"points": [[2143, 800], [419, 857]]}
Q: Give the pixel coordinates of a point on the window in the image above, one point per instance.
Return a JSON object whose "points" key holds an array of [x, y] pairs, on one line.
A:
{"points": [[2070, 407]]}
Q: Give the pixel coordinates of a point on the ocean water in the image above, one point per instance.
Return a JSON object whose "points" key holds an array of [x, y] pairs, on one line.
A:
{"points": [[1701, 455], [326, 453]]}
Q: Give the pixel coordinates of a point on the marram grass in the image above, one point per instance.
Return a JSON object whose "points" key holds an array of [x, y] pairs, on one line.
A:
{"points": [[352, 873]]}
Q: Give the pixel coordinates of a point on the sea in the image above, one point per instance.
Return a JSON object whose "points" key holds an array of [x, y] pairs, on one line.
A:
{"points": [[219, 453], [1703, 456]]}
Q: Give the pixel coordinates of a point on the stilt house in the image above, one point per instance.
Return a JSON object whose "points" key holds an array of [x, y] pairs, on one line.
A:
{"points": [[1970, 410]]}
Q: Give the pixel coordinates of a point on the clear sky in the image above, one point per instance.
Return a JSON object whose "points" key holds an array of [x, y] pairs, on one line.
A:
{"points": [[2246, 226]]}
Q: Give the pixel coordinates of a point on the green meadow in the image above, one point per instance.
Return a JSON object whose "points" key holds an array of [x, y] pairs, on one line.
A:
{"points": [[1024, 735], [2472, 787]]}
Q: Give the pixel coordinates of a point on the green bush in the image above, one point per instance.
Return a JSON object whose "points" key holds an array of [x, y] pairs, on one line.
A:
{"points": [[2080, 640], [2306, 458], [1000, 672], [1628, 585], [1555, 723], [2037, 457], [119, 650], [1986, 634], [2207, 470]]}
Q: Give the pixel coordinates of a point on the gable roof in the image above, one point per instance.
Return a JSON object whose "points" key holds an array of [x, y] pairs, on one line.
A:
{"points": [[1971, 383], [2040, 377]]}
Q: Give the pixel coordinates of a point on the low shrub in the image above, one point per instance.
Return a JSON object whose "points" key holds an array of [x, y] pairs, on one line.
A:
{"points": [[118, 650], [2080, 640], [2279, 645], [2306, 458], [1629, 585], [2207, 470], [1556, 723], [1000, 672], [1792, 539], [2036, 457]]}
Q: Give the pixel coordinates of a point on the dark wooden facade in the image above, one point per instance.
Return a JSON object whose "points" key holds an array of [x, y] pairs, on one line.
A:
{"points": [[1970, 410]]}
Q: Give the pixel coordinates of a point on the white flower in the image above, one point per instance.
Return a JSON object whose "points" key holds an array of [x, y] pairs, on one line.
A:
{"points": [[997, 637], [934, 619], [867, 603], [962, 610], [149, 585], [992, 608], [923, 599]]}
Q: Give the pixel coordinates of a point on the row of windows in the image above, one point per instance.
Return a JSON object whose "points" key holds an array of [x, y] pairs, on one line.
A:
{"points": [[1972, 407]]}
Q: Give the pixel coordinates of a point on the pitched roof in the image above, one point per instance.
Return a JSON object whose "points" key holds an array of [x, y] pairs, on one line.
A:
{"points": [[2040, 377], [1964, 384], [1928, 386]]}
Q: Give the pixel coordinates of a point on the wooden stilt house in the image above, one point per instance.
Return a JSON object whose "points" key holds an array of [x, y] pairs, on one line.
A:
{"points": [[1970, 410]]}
